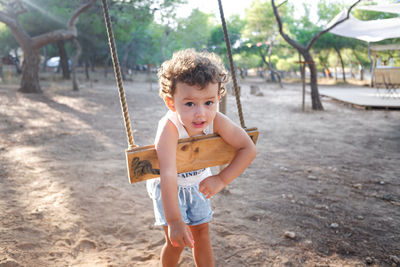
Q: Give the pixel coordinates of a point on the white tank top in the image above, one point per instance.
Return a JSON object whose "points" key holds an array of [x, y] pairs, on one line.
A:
{"points": [[192, 178]]}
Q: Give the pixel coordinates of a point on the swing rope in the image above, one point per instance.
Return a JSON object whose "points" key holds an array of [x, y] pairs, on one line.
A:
{"points": [[117, 71], [233, 72]]}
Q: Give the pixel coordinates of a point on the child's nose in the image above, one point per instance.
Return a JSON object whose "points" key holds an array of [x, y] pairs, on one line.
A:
{"points": [[200, 111]]}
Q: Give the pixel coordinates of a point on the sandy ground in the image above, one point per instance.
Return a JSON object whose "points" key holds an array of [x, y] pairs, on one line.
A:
{"points": [[331, 178]]}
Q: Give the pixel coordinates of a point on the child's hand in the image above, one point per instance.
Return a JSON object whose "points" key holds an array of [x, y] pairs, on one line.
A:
{"points": [[211, 185], [180, 235]]}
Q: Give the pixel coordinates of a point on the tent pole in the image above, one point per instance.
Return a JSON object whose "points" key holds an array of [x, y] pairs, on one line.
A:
{"points": [[371, 69]]}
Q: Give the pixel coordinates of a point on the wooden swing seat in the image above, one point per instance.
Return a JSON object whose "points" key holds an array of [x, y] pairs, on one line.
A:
{"points": [[192, 154]]}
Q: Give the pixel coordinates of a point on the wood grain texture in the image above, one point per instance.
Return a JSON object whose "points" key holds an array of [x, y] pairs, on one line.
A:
{"points": [[192, 154]]}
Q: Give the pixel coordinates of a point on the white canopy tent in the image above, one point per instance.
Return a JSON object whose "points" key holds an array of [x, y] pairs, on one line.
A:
{"points": [[371, 30]]}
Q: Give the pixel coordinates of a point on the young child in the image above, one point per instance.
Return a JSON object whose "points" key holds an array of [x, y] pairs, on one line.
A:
{"points": [[191, 86]]}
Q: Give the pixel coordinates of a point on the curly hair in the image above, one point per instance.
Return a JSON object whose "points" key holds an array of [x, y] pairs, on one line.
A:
{"points": [[193, 68]]}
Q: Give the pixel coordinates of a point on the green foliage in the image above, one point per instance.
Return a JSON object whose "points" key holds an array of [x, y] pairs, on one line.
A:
{"points": [[145, 28], [243, 60], [287, 64], [260, 22], [46, 15], [261, 31], [372, 15], [328, 10], [7, 41], [216, 42], [194, 31]]}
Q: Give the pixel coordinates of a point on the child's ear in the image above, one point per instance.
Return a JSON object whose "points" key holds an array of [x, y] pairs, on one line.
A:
{"points": [[169, 102]]}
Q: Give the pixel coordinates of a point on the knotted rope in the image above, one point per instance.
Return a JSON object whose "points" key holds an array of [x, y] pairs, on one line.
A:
{"points": [[143, 167]]}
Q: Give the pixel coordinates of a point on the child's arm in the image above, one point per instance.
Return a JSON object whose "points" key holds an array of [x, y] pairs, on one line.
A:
{"points": [[246, 152], [166, 143]]}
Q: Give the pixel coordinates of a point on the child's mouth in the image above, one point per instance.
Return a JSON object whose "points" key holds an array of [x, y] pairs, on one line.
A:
{"points": [[199, 124]]}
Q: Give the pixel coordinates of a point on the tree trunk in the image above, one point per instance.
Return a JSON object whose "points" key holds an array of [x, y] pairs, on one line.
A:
{"points": [[303, 82], [17, 61], [271, 73], [106, 63], [75, 60], [124, 63], [336, 71], [327, 72], [361, 72], [164, 41], [271, 69], [63, 60], [360, 66], [44, 66], [341, 62], [241, 73], [1, 72], [351, 70], [30, 74], [92, 65], [87, 69], [315, 99]]}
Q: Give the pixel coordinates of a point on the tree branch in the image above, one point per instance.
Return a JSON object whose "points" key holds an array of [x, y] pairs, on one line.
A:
{"points": [[66, 34], [315, 38], [281, 4], [53, 36], [74, 17], [19, 33], [21, 10], [6, 19], [12, 11], [263, 57], [270, 67], [284, 35]]}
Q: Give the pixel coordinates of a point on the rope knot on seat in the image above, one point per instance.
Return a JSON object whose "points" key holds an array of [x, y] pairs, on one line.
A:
{"points": [[142, 167]]}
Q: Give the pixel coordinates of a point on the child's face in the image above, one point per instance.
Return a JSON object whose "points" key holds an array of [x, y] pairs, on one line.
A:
{"points": [[196, 107]]}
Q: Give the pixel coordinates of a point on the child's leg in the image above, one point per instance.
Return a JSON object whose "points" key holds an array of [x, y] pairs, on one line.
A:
{"points": [[170, 254], [202, 251]]}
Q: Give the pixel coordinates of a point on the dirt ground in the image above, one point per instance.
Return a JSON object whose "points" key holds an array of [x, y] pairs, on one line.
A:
{"points": [[330, 177]]}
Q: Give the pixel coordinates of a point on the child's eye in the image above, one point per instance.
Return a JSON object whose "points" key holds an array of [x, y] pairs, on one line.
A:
{"points": [[189, 104], [209, 103]]}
